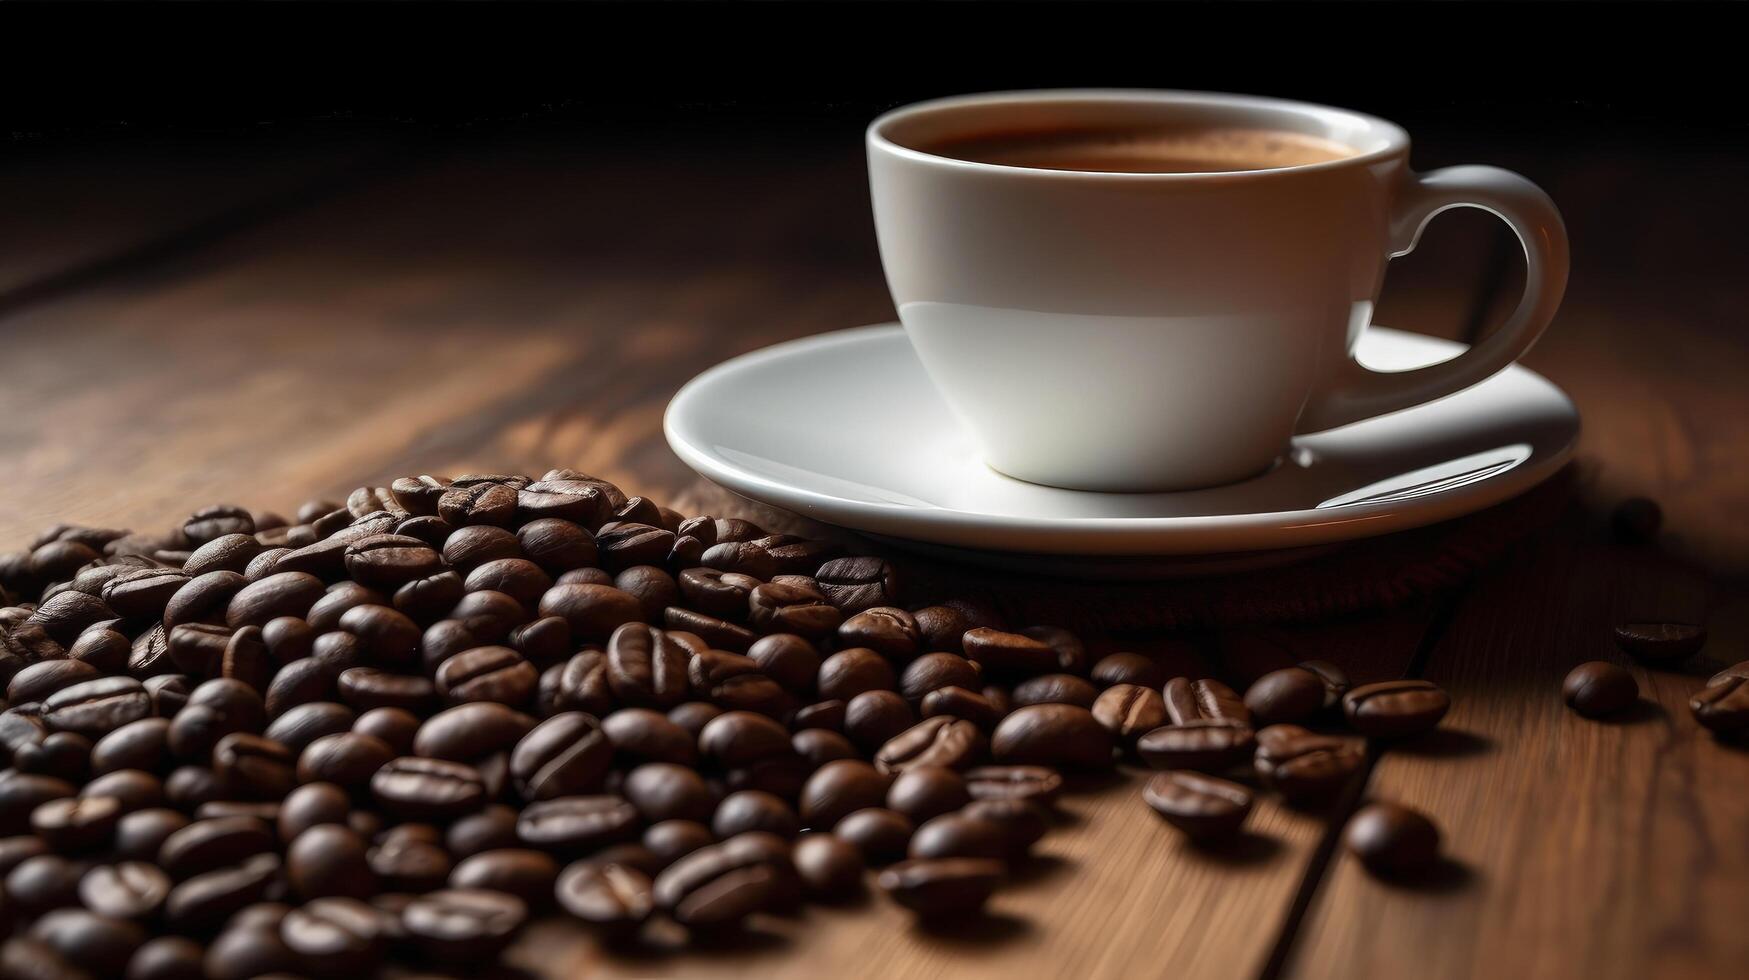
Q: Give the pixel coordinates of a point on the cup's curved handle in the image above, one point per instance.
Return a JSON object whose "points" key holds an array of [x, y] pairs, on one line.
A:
{"points": [[1358, 393]]}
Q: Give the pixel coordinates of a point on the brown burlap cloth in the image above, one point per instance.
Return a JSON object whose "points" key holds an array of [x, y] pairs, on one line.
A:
{"points": [[1302, 586]]}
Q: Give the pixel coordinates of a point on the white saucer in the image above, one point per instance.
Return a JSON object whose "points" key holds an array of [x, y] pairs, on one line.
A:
{"points": [[845, 428]]}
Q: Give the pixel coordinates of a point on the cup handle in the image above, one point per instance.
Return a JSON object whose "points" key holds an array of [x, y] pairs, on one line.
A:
{"points": [[1359, 393]]}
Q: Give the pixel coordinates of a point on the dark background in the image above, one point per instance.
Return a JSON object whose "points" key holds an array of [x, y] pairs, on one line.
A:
{"points": [[1640, 75]]}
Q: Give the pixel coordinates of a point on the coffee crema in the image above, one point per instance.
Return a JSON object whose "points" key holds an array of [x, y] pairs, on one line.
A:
{"points": [[1140, 151]]}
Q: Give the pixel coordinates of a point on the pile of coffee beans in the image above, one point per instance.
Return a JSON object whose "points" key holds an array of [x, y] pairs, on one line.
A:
{"points": [[402, 726]]}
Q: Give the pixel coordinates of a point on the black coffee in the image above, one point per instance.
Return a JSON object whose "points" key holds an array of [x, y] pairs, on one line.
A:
{"points": [[1144, 151]]}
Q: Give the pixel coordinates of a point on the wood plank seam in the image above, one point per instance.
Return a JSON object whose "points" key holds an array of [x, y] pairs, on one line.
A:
{"points": [[1444, 612]]}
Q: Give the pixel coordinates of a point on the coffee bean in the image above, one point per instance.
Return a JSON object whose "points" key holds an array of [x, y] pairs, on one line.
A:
{"points": [[857, 584], [1205, 744], [1129, 711], [940, 741], [940, 627], [585, 502], [671, 840], [937, 670], [139, 835], [1008, 654], [646, 667], [889, 631], [1392, 840], [311, 805], [480, 503], [463, 924], [788, 659], [228, 552], [724, 883], [1291, 694], [958, 702], [42, 883], [1598, 688], [1052, 735], [830, 867], [76, 823], [1203, 700], [1055, 689], [609, 896], [95, 708], [956, 835], [800, 610], [470, 732], [818, 746], [1660, 642], [1301, 765], [923, 792], [664, 791], [741, 738], [142, 593], [198, 649], [285, 593], [427, 789], [577, 824], [718, 634], [566, 755], [299, 726], [207, 845], [91, 942], [336, 936], [253, 767], [169, 693], [40, 680], [492, 674], [942, 888], [130, 890], [329, 860], [641, 735], [103, 648], [1023, 824], [593, 611], [1203, 807], [298, 683], [529, 875], [716, 593], [838, 789], [407, 863], [245, 659], [365, 688], [418, 494], [63, 754], [389, 561], [167, 958], [1723, 705], [1636, 520], [1392, 709], [492, 828], [848, 673], [337, 601]]}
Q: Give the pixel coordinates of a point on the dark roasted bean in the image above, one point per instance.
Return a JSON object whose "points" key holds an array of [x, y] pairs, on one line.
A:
{"points": [[848, 673], [881, 835], [940, 741], [328, 860], [664, 791], [1659, 642], [1055, 689], [856, 584], [774, 608], [1129, 711], [139, 835], [642, 735], [464, 925], [75, 824], [1291, 694], [577, 824], [615, 897], [1392, 840], [1204, 700], [890, 631], [1395, 708], [349, 759], [479, 503], [1301, 765], [718, 634], [830, 867], [724, 883], [95, 708], [1008, 654], [837, 789], [593, 611], [942, 888], [1204, 744], [1203, 807], [284, 593], [1052, 735], [1723, 705], [303, 724], [427, 789], [740, 738], [959, 702], [922, 792], [750, 810], [336, 936], [1598, 688]]}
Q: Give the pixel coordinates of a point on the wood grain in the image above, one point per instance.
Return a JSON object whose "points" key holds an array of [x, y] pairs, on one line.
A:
{"points": [[525, 308], [1581, 848]]}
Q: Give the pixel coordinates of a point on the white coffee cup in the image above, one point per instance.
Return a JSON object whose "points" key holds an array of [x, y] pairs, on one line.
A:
{"points": [[1158, 331]]}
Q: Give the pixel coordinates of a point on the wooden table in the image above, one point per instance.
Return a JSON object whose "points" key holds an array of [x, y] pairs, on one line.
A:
{"points": [[270, 326]]}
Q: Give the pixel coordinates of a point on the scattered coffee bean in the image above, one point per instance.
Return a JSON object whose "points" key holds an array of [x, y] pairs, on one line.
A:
{"points": [[1056, 735], [1203, 807], [1392, 840], [1598, 688], [609, 896], [1723, 705], [1660, 643], [942, 887], [1302, 765], [1203, 744], [1393, 709]]}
